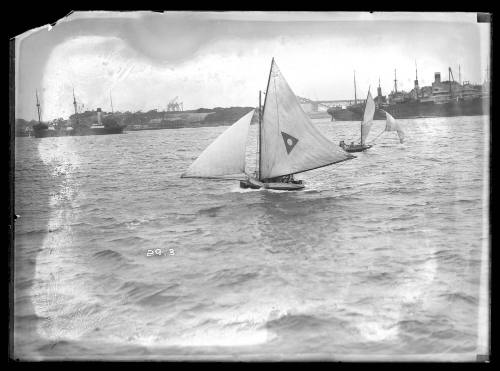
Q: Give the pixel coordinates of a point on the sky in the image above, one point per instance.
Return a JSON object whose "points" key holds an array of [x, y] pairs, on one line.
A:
{"points": [[222, 59]]}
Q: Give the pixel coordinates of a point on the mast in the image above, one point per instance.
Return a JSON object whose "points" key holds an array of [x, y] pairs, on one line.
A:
{"points": [[361, 125], [111, 98], [459, 75], [395, 82], [261, 114], [416, 81], [449, 80], [355, 99], [38, 107], [260, 123], [74, 104]]}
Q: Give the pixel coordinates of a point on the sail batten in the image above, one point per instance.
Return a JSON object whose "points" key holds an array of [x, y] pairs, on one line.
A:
{"points": [[226, 155], [366, 124], [290, 144]]}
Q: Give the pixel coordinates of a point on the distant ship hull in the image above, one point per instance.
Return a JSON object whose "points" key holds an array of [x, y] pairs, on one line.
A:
{"points": [[98, 131], [473, 107], [45, 133]]}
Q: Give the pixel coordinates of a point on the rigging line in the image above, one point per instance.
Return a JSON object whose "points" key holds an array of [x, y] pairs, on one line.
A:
{"points": [[383, 131], [334, 166]]}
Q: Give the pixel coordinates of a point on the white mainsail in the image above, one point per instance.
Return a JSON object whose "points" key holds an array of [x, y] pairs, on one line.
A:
{"points": [[226, 155], [289, 142], [367, 117], [392, 125]]}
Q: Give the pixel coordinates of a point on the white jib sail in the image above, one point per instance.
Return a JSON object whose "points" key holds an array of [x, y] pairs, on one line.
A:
{"points": [[289, 142], [392, 125], [226, 155], [367, 117]]}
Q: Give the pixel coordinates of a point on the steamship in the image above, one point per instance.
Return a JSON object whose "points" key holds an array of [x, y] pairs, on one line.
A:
{"points": [[441, 99], [103, 126]]}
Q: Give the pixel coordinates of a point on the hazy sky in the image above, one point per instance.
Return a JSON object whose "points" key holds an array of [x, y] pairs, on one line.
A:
{"points": [[222, 59]]}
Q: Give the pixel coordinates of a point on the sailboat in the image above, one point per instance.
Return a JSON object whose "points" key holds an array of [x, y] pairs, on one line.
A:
{"points": [[392, 125], [288, 144], [365, 127]]}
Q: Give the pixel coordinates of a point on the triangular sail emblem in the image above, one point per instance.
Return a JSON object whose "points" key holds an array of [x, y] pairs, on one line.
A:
{"points": [[290, 142]]}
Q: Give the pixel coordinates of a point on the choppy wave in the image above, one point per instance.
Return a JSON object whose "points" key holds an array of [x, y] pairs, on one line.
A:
{"points": [[380, 255]]}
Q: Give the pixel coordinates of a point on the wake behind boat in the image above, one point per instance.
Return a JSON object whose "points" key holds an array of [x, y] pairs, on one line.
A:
{"points": [[288, 144]]}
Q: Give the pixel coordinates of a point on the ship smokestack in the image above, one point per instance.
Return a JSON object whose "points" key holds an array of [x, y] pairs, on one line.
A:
{"points": [[437, 77], [99, 113]]}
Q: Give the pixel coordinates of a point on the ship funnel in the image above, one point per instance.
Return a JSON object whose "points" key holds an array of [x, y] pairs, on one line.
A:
{"points": [[99, 114], [437, 77]]}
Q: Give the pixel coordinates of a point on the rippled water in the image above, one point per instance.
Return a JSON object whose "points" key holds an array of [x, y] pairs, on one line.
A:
{"points": [[379, 256]]}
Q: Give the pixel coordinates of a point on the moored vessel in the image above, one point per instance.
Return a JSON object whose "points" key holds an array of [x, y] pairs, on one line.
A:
{"points": [[442, 99]]}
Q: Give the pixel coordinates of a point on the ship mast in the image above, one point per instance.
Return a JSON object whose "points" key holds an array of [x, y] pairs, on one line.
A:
{"points": [[74, 104], [379, 93], [355, 98], [111, 98], [416, 80], [449, 80], [38, 107], [395, 82]]}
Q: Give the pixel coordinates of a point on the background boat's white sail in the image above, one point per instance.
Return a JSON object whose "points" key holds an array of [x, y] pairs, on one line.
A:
{"points": [[367, 117], [392, 125], [289, 141], [226, 155], [401, 134], [390, 122]]}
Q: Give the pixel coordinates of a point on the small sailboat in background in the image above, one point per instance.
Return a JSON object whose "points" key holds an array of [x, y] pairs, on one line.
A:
{"points": [[392, 125], [288, 144], [365, 127]]}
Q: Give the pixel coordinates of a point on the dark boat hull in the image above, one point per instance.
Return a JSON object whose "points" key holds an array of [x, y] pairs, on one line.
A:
{"points": [[45, 133], [255, 184], [357, 148], [98, 131], [473, 107]]}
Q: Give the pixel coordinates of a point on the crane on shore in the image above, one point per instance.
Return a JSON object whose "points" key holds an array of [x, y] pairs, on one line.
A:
{"points": [[174, 105]]}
